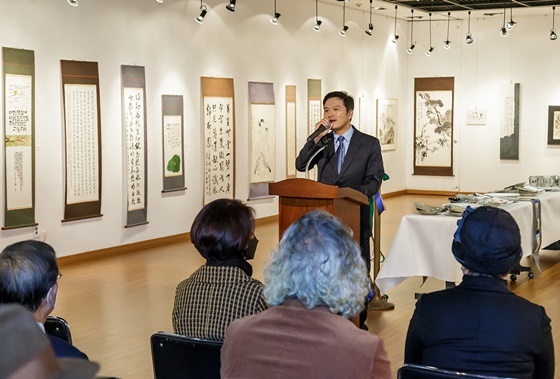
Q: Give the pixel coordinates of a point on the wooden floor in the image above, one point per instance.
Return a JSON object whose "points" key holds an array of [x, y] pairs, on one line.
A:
{"points": [[114, 304]]}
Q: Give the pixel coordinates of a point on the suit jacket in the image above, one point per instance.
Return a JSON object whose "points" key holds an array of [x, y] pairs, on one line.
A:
{"points": [[481, 327], [362, 169], [63, 349], [290, 341]]}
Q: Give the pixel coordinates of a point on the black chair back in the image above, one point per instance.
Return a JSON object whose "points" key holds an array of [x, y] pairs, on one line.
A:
{"points": [[412, 371], [175, 356], [58, 327]]}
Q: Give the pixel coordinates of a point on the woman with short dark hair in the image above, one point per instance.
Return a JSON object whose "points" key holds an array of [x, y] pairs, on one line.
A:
{"points": [[222, 290]]}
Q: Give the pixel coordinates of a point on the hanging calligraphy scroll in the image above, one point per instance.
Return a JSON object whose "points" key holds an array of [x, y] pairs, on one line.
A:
{"points": [[314, 111], [219, 138], [134, 119], [19, 137], [82, 132], [291, 149], [433, 126], [173, 152], [509, 131], [263, 136]]}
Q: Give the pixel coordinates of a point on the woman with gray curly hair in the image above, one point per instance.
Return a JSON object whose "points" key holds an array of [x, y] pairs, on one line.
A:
{"points": [[316, 281]]}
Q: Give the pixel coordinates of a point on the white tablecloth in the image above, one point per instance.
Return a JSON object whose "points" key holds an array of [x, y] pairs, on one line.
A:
{"points": [[422, 244]]}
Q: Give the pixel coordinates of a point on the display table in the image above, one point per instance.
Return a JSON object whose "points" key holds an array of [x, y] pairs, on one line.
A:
{"points": [[422, 244]]}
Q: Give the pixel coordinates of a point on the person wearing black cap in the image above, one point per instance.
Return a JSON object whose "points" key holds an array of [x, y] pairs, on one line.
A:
{"points": [[480, 326]]}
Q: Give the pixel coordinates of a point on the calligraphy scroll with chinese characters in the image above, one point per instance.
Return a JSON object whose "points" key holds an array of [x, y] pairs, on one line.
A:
{"points": [[134, 118], [219, 136], [19, 128], [82, 132]]}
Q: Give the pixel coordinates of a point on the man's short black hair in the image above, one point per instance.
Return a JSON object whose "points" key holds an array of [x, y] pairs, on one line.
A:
{"points": [[28, 269], [345, 97]]}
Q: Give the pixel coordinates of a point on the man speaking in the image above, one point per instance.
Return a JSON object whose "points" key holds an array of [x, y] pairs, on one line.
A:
{"points": [[351, 159]]}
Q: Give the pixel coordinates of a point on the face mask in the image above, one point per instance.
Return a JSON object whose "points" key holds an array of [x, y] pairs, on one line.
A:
{"points": [[251, 248]]}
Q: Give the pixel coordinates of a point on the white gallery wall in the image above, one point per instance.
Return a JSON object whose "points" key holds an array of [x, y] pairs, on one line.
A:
{"points": [[176, 51]]}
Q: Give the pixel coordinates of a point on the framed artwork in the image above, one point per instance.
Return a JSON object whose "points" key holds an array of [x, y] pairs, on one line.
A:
{"points": [[476, 116], [509, 131], [291, 132], [433, 126], [387, 113], [554, 125]]}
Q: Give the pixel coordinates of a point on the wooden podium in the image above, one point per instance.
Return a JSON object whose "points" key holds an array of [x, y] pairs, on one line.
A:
{"points": [[299, 196]]}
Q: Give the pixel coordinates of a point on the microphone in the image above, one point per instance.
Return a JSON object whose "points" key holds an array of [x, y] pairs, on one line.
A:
{"points": [[318, 131]]}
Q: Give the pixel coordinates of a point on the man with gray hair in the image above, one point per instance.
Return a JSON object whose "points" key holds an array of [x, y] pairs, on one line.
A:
{"points": [[29, 277], [316, 282]]}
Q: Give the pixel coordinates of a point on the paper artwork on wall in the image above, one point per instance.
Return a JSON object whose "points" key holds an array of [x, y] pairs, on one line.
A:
{"points": [[173, 143], [219, 133], [314, 111], [387, 115], [476, 116], [554, 125], [291, 146], [19, 137], [509, 131], [263, 132], [134, 118], [433, 126], [82, 139]]}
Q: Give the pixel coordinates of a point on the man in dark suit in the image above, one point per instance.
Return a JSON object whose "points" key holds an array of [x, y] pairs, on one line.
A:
{"points": [[351, 159], [480, 326], [29, 277]]}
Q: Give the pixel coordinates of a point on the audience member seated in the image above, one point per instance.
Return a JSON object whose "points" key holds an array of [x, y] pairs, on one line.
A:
{"points": [[27, 353], [222, 290], [480, 326], [315, 283], [29, 276]]}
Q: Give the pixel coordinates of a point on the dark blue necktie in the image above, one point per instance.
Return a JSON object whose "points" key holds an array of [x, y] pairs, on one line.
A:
{"points": [[340, 153]]}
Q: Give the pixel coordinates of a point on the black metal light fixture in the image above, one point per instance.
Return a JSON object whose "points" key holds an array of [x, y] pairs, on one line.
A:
{"points": [[447, 42], [369, 31], [431, 49], [395, 35], [503, 29], [344, 26], [412, 42], [510, 23], [73, 3], [231, 6], [274, 20], [553, 35], [318, 22], [469, 38], [202, 14]]}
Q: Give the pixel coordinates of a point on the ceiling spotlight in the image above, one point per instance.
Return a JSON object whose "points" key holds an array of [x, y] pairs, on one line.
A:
{"points": [[429, 52], [370, 27], [503, 29], [159, 1], [553, 35], [73, 3], [510, 24], [469, 38], [344, 26], [231, 6], [411, 33], [395, 35], [274, 19], [447, 42], [317, 25], [203, 12], [409, 50]]}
